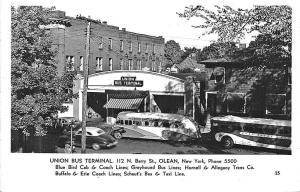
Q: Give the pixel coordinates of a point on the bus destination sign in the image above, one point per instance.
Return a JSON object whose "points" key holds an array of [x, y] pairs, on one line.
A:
{"points": [[128, 82]]}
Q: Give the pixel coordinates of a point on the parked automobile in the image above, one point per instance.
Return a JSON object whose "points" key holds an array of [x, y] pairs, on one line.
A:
{"points": [[116, 132], [96, 138]]}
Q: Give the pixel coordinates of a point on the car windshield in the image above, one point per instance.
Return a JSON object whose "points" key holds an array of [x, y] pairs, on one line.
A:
{"points": [[100, 132]]}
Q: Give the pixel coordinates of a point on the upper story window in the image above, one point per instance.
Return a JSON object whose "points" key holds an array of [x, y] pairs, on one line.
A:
{"points": [[139, 64], [100, 43], [130, 64], [99, 62], [289, 76], [153, 66], [275, 104], [153, 47], [110, 64], [121, 45], [130, 46], [121, 64], [218, 75], [110, 44], [139, 47], [70, 63], [236, 103], [81, 63], [160, 67], [146, 51]]}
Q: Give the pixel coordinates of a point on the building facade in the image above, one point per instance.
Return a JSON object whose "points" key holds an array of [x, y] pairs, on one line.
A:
{"points": [[233, 88], [124, 70], [111, 48]]}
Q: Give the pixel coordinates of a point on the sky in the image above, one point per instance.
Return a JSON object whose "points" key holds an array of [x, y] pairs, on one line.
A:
{"points": [[155, 17]]}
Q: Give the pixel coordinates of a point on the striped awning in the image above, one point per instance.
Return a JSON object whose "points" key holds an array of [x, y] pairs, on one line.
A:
{"points": [[133, 103]]}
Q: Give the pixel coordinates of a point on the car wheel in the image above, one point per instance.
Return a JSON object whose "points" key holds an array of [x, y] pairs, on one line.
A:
{"points": [[227, 142], [96, 146], [117, 135]]}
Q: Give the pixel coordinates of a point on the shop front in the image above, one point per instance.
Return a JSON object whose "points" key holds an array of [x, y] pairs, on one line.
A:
{"points": [[141, 91]]}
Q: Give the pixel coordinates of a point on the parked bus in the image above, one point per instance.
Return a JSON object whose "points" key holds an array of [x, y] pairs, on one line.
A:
{"points": [[160, 126], [259, 132]]}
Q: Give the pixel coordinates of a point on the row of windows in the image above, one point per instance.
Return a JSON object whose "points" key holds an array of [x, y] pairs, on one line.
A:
{"points": [[261, 129], [238, 102], [151, 123], [130, 45], [99, 64]]}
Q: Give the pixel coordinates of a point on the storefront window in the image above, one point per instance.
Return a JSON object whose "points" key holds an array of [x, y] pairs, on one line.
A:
{"points": [[275, 104], [235, 102]]}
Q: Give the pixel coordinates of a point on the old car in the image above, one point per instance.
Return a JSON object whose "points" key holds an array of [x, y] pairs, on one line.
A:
{"points": [[96, 138]]}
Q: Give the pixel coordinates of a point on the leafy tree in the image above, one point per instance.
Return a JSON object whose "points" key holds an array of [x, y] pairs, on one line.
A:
{"points": [[187, 51], [173, 53], [232, 24], [37, 91], [217, 50]]}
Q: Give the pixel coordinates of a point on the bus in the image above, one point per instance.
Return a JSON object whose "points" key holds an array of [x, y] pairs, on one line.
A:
{"points": [[158, 126], [258, 132]]}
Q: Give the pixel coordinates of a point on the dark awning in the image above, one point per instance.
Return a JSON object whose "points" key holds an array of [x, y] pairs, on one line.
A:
{"points": [[114, 103]]}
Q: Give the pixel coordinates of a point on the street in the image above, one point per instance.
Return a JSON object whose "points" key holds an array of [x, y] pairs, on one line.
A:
{"points": [[138, 146]]}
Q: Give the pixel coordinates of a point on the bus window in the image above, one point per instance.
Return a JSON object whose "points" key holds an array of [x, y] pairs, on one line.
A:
{"points": [[137, 123], [146, 123], [270, 130], [257, 129], [155, 123], [129, 122], [119, 122], [126, 122], [286, 131], [166, 124], [122, 122], [248, 128]]}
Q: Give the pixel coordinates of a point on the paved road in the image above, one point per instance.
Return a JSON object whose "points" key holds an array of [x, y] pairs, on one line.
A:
{"points": [[138, 146]]}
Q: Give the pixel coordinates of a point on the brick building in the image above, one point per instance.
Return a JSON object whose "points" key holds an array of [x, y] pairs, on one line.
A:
{"points": [[111, 48], [124, 70]]}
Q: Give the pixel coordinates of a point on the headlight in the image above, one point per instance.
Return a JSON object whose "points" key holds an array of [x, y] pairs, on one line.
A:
{"points": [[215, 124]]}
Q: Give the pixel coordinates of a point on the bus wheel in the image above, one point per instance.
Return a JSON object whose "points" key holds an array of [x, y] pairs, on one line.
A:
{"points": [[227, 142], [96, 146], [117, 135]]}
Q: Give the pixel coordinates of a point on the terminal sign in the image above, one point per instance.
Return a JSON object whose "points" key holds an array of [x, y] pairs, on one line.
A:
{"points": [[128, 82]]}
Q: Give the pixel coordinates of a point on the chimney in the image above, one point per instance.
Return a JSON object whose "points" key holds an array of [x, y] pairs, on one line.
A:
{"points": [[242, 45]]}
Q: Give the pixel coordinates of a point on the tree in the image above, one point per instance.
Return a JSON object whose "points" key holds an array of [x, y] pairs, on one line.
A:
{"points": [[232, 24], [37, 92], [173, 53], [217, 50], [187, 51]]}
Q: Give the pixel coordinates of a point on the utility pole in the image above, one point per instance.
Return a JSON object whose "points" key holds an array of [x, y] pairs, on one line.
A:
{"points": [[85, 86]]}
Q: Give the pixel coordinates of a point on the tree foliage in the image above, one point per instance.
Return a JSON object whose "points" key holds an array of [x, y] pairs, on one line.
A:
{"points": [[232, 24], [173, 53], [37, 91], [217, 50]]}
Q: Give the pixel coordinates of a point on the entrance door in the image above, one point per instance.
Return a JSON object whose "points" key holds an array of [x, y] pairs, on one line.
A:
{"points": [[170, 103]]}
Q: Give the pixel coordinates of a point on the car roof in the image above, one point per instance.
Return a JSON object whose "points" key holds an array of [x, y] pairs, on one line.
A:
{"points": [[150, 115], [91, 129]]}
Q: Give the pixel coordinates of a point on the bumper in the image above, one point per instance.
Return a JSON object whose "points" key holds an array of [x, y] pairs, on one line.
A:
{"points": [[112, 144]]}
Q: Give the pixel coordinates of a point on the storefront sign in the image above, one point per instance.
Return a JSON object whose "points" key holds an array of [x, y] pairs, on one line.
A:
{"points": [[128, 82]]}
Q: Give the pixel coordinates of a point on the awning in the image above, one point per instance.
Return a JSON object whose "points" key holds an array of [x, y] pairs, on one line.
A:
{"points": [[133, 103]]}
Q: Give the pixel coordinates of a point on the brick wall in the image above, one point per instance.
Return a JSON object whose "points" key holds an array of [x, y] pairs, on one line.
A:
{"points": [[73, 39]]}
